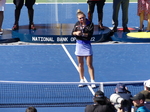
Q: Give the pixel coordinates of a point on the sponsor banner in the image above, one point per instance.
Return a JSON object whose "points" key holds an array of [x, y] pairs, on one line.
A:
{"points": [[56, 38]]}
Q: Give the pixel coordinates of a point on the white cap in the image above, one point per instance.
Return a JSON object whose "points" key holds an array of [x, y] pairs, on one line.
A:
{"points": [[147, 83]]}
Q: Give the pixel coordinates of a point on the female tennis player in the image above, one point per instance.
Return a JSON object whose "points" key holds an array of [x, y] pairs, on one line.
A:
{"points": [[19, 4], [83, 31], [2, 5]]}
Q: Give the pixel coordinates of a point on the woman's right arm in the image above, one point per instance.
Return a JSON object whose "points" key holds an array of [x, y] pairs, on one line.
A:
{"points": [[74, 29], [75, 32]]}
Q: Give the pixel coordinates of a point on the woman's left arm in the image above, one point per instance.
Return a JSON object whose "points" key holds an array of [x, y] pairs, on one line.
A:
{"points": [[89, 30]]}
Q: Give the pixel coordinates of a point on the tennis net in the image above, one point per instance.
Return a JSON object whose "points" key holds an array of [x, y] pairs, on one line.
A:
{"points": [[54, 94]]}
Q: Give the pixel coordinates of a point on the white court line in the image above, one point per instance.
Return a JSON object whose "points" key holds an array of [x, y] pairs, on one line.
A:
{"points": [[75, 65]]}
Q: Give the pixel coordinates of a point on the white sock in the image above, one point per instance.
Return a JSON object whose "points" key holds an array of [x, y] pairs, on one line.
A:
{"points": [[92, 81], [81, 80]]}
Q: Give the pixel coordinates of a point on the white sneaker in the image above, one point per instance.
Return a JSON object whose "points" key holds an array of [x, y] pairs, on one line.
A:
{"points": [[93, 85], [1, 32], [81, 85]]}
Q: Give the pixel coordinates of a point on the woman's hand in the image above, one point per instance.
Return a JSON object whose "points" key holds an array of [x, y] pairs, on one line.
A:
{"points": [[78, 33]]}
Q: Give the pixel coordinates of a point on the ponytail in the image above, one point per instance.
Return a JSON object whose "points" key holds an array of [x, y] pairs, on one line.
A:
{"points": [[79, 12]]}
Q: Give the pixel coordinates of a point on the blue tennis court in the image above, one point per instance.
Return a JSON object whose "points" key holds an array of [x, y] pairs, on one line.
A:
{"points": [[50, 63], [125, 62], [55, 63]]}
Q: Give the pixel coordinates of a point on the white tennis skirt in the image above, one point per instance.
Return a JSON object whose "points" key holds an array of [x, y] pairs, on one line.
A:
{"points": [[2, 5], [83, 49]]}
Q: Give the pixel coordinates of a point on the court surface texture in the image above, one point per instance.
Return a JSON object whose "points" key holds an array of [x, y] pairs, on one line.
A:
{"points": [[57, 63]]}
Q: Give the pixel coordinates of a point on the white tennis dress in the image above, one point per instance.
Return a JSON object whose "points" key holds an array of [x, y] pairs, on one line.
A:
{"points": [[2, 5], [83, 48]]}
